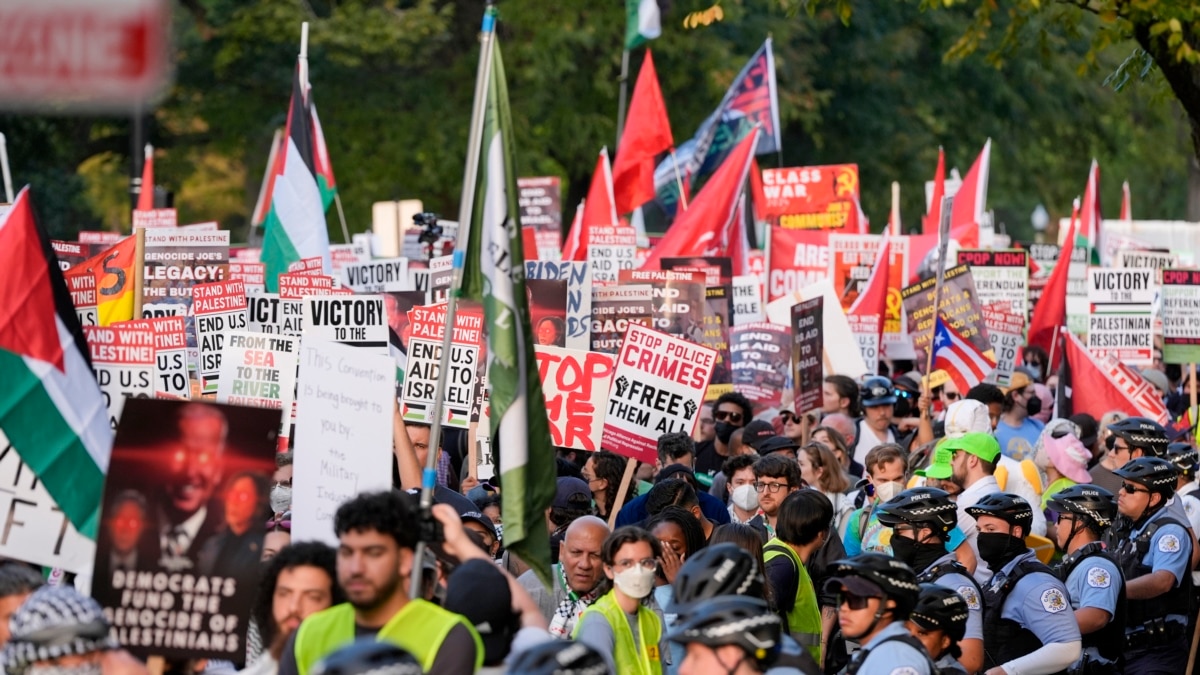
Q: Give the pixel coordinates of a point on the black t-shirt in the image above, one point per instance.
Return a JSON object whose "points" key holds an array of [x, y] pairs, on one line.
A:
{"points": [[456, 655], [708, 461]]}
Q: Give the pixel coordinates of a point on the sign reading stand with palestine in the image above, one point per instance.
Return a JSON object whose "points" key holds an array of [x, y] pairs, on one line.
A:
{"points": [[219, 308], [1120, 322], [170, 350], [657, 388], [428, 326], [610, 250], [1181, 316], [123, 359]]}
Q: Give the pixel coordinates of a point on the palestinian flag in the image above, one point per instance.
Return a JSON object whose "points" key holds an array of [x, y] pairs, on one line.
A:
{"points": [[295, 226], [51, 408], [325, 180]]}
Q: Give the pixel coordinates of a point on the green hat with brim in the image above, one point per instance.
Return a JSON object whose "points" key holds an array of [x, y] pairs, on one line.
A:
{"points": [[984, 446], [940, 467]]}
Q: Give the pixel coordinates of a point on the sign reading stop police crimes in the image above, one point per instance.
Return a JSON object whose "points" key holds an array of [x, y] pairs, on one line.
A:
{"points": [[657, 388], [807, 353], [1000, 276], [575, 384], [219, 308], [357, 321], [428, 325], [1181, 316], [1120, 323], [610, 250], [170, 351], [123, 359]]}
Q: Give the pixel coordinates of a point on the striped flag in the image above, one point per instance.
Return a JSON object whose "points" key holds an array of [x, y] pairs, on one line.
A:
{"points": [[115, 270], [966, 365], [51, 408], [326, 183], [494, 275]]}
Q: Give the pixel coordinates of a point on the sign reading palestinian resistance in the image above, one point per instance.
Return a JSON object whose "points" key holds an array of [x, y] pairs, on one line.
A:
{"points": [[1181, 316], [427, 327], [258, 370], [614, 308], [999, 276], [578, 309], [610, 250], [355, 321], [123, 360], [959, 304], [1120, 323], [658, 386], [377, 276], [575, 384], [170, 352], [177, 260], [812, 197], [807, 353], [761, 357], [799, 259], [219, 308], [200, 472]]}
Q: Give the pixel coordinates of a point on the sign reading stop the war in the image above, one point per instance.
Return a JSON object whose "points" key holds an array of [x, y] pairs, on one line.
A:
{"points": [[170, 352], [427, 330], [219, 308], [658, 386], [123, 359], [575, 384]]}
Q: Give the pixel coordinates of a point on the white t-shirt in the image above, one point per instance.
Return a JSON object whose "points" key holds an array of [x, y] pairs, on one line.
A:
{"points": [[867, 441]]}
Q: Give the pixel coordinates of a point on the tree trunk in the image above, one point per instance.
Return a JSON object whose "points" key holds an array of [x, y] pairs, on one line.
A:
{"points": [[1184, 80]]}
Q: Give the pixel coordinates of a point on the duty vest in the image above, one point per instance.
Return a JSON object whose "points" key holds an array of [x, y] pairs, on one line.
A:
{"points": [[804, 618], [642, 659], [1129, 557], [419, 628], [935, 572], [1109, 642], [1005, 639]]}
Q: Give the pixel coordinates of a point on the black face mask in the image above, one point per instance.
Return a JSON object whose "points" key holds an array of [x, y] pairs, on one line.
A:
{"points": [[1034, 405], [997, 549], [724, 431], [915, 554]]}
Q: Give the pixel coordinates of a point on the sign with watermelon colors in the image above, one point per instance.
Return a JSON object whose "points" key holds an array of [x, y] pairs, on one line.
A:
{"points": [[428, 326]]}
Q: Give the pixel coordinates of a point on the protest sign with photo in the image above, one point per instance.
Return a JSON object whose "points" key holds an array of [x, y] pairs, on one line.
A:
{"points": [[219, 308], [1120, 323], [852, 257], [959, 304], [182, 526], [258, 370], [155, 218], [807, 350], [760, 355], [269, 313], [548, 311], [377, 276], [579, 296], [613, 308], [610, 250], [343, 433], [171, 355], [747, 300], [123, 359], [679, 301], [175, 262], [798, 259], [252, 274], [658, 386], [427, 327], [70, 253], [1006, 332], [812, 197], [999, 276], [540, 200], [575, 384], [1181, 316], [355, 321]]}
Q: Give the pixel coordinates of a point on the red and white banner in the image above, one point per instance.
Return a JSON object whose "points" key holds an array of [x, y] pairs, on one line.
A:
{"points": [[123, 359], [813, 198], [799, 258], [1099, 385], [170, 352], [575, 384], [219, 308]]}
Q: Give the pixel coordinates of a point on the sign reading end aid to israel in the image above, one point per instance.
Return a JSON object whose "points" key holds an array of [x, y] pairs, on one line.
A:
{"points": [[658, 386]]}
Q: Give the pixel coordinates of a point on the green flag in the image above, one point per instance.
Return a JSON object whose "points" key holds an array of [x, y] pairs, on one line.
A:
{"points": [[494, 273], [643, 22]]}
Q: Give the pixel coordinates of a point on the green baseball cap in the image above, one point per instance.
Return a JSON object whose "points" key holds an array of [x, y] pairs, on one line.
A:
{"points": [[984, 446], [940, 467]]}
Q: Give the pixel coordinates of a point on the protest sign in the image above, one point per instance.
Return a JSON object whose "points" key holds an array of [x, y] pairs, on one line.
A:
{"points": [[427, 326], [298, 285], [866, 330], [760, 355], [1006, 332], [575, 384], [540, 200], [155, 218], [610, 250], [613, 308], [1181, 316], [579, 295], [547, 311], [842, 354], [170, 353], [36, 530], [219, 308], [343, 433], [812, 197], [377, 276], [356, 321], [959, 304], [796, 259], [807, 350], [717, 303], [344, 255], [657, 387], [252, 274], [307, 266], [999, 276], [206, 226], [679, 305], [717, 270], [1077, 291], [852, 257], [258, 370], [268, 313], [123, 360], [1120, 323], [82, 285], [104, 239], [747, 300], [70, 253], [187, 593], [175, 262], [1156, 260], [396, 306]]}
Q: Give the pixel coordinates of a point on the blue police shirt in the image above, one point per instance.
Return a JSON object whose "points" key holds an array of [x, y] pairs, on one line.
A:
{"points": [[1039, 604], [964, 587], [893, 657], [1170, 547], [1095, 582]]}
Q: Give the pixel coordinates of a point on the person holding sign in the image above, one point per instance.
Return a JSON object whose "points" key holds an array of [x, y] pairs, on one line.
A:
{"points": [[1017, 430]]}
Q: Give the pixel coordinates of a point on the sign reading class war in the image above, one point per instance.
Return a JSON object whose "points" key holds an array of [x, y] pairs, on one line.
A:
{"points": [[761, 355], [171, 355], [1181, 316], [427, 326], [123, 360], [219, 308], [807, 353], [614, 308], [575, 384], [658, 386], [811, 197]]}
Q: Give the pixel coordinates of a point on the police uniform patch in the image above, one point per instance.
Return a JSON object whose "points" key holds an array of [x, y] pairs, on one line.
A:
{"points": [[1168, 544], [905, 670], [1053, 601], [1098, 577], [968, 593]]}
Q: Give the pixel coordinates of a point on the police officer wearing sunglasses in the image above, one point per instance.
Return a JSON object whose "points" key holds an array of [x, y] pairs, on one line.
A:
{"points": [[1156, 560]]}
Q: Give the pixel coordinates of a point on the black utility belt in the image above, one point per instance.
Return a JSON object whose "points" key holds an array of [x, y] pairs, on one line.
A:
{"points": [[1153, 633]]}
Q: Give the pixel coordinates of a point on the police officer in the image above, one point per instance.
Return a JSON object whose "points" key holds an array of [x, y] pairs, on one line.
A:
{"points": [[1185, 458], [1139, 436], [924, 523], [1095, 584], [1155, 558], [731, 634], [875, 594], [939, 621], [1027, 625]]}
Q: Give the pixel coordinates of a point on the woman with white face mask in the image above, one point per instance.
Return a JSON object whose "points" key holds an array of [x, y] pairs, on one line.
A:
{"points": [[619, 624]]}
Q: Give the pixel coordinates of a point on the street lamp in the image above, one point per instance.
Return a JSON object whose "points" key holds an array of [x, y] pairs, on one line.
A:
{"points": [[1040, 219]]}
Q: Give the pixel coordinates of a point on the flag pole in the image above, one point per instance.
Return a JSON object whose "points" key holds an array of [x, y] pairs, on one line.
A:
{"points": [[623, 96], [678, 180], [943, 244], [8, 191], [337, 199], [466, 207], [895, 229], [303, 60]]}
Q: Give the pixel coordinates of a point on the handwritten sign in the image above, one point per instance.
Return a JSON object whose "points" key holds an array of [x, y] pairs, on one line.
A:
{"points": [[807, 349], [219, 308], [575, 384], [123, 360]]}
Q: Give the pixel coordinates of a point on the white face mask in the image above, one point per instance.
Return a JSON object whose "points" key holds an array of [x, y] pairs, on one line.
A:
{"points": [[745, 497], [888, 490], [281, 498], [635, 582]]}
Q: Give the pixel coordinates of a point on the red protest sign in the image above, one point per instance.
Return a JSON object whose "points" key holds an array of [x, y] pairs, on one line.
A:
{"points": [[575, 384], [812, 197]]}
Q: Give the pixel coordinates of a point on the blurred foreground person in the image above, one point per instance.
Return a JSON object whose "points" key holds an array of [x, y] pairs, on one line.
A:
{"points": [[367, 656], [57, 631], [297, 583]]}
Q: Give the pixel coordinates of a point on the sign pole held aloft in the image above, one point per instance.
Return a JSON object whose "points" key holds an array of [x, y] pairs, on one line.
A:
{"points": [[943, 245], [8, 191], [623, 97]]}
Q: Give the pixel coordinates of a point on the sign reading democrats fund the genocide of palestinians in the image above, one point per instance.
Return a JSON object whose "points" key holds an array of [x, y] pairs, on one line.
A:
{"points": [[658, 386]]}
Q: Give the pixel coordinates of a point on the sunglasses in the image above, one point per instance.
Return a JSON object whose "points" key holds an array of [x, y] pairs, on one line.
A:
{"points": [[852, 601], [952, 395], [727, 416], [788, 418], [1133, 489], [279, 526]]}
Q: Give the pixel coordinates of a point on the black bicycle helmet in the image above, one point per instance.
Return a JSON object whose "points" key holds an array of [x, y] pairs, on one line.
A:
{"points": [[940, 608], [1158, 475], [1184, 457], [1142, 433], [894, 578], [746, 622], [921, 506], [368, 655], [1007, 507], [877, 390], [560, 657], [715, 571], [1091, 501]]}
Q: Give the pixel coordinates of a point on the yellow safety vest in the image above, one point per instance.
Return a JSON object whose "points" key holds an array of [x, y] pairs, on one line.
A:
{"points": [[419, 628], [629, 659], [804, 618]]}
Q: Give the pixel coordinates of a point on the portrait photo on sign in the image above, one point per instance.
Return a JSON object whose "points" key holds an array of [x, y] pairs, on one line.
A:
{"points": [[548, 311], [182, 525]]}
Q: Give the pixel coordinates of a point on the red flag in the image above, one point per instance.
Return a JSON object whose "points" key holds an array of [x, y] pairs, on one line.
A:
{"points": [[1089, 212], [758, 196], [146, 196], [970, 202], [597, 209], [1101, 385], [934, 217], [1051, 311], [712, 225], [647, 133], [1126, 206], [873, 299]]}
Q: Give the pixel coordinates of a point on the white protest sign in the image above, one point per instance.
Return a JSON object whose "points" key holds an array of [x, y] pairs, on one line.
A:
{"points": [[378, 276], [123, 359], [342, 255], [1156, 260], [343, 433], [747, 300], [36, 530], [1121, 323], [170, 349], [356, 320], [1006, 333], [427, 329], [1121, 287], [258, 370], [610, 250], [579, 296], [268, 313], [219, 308], [575, 384]]}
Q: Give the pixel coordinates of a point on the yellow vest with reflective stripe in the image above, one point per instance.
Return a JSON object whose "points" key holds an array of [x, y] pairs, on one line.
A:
{"points": [[629, 659], [804, 619]]}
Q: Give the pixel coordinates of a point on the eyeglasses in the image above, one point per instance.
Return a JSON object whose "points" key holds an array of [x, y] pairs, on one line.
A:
{"points": [[851, 600], [1133, 489], [770, 487], [951, 395], [1111, 444], [727, 416], [647, 564]]}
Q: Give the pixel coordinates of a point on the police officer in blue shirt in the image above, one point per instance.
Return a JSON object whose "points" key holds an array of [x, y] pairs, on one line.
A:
{"points": [[1156, 559], [939, 621], [1028, 627], [924, 524], [1095, 584], [875, 594]]}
